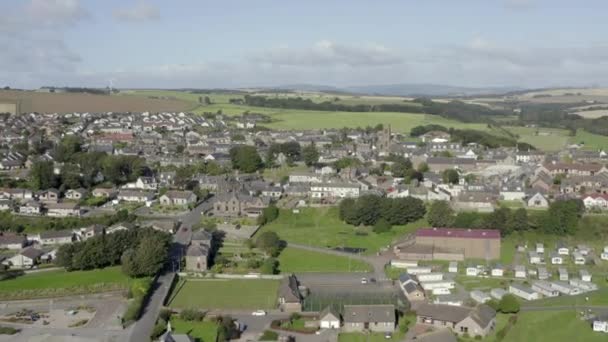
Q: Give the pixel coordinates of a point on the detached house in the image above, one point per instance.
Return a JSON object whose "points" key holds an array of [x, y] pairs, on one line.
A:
{"points": [[76, 194], [10, 241], [478, 321], [54, 237], [27, 258], [63, 209], [237, 204], [376, 318], [290, 298]]}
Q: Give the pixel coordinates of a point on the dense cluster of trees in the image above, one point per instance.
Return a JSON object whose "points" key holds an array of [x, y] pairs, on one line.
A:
{"points": [[310, 154], [291, 150], [562, 218], [368, 210], [246, 159], [141, 252]]}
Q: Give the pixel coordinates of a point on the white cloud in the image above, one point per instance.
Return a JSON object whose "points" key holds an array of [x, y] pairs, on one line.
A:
{"points": [[142, 11], [326, 53]]}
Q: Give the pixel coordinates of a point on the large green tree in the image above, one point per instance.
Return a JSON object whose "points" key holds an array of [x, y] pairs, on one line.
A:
{"points": [[440, 214], [42, 176], [310, 154], [245, 159], [450, 176]]}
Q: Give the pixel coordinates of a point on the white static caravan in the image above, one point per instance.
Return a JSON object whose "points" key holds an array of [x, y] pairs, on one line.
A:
{"points": [[418, 270], [563, 274], [498, 271], [480, 296], [453, 267], [544, 288], [441, 291], [585, 275], [520, 271], [523, 292], [540, 248], [430, 285], [424, 277], [472, 271], [543, 273], [565, 288], [403, 263], [579, 259], [498, 293], [534, 257]]}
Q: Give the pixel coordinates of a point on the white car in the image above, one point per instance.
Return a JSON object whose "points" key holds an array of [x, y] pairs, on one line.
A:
{"points": [[258, 313], [363, 280]]}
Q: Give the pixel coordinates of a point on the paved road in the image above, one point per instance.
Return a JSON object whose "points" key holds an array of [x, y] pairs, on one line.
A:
{"points": [[142, 329], [193, 217]]}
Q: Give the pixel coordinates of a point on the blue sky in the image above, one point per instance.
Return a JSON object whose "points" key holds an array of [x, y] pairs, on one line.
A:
{"points": [[229, 43]]}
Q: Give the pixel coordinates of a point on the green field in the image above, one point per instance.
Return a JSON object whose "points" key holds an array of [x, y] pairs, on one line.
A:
{"points": [[62, 283], [546, 139], [298, 260], [592, 141], [225, 294], [205, 331], [321, 227], [552, 326]]}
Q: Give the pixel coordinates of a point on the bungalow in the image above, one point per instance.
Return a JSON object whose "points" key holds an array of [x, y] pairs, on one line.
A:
{"points": [[498, 293], [563, 273], [523, 292], [329, 319], [104, 192], [54, 237], [453, 267], [30, 208], [477, 321], [480, 296], [76, 194], [410, 287], [119, 227], [537, 200], [27, 258], [178, 198], [544, 288], [520, 271], [585, 275], [63, 209], [50, 195], [556, 259], [376, 318], [135, 196], [10, 241], [91, 231]]}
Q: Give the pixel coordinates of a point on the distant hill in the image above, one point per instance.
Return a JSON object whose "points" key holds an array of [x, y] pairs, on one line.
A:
{"points": [[403, 89]]}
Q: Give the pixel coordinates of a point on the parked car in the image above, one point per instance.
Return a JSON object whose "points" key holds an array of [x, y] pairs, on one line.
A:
{"points": [[259, 313]]}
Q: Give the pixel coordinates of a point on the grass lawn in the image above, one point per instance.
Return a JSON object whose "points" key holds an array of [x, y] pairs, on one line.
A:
{"points": [[321, 227], [592, 141], [226, 294], [299, 260], [205, 331], [548, 139], [62, 283], [479, 283], [552, 326]]}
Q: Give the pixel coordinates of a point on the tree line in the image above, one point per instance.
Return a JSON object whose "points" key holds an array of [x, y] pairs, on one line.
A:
{"points": [[562, 218], [141, 252]]}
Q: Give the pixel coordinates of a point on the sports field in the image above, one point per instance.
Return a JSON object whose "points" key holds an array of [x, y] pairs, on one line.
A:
{"points": [[322, 227], [62, 283], [225, 294], [205, 331], [299, 260]]}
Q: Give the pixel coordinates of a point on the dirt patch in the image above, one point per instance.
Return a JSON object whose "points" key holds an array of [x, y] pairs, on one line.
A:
{"points": [[30, 101]]}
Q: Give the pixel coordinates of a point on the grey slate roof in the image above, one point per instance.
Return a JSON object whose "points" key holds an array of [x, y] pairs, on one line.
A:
{"points": [[369, 313]]}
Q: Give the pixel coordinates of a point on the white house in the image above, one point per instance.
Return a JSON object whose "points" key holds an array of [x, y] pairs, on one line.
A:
{"points": [[178, 198], [480, 296], [585, 275], [597, 201], [523, 292], [544, 288], [538, 201], [498, 293], [453, 267], [329, 319], [27, 258], [520, 271]]}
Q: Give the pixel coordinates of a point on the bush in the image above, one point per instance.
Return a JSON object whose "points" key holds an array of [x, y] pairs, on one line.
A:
{"points": [[509, 304], [138, 292], [159, 328], [8, 331], [192, 315], [269, 335], [165, 314]]}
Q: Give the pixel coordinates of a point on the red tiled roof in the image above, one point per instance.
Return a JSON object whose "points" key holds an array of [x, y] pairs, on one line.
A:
{"points": [[459, 233], [594, 196]]}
